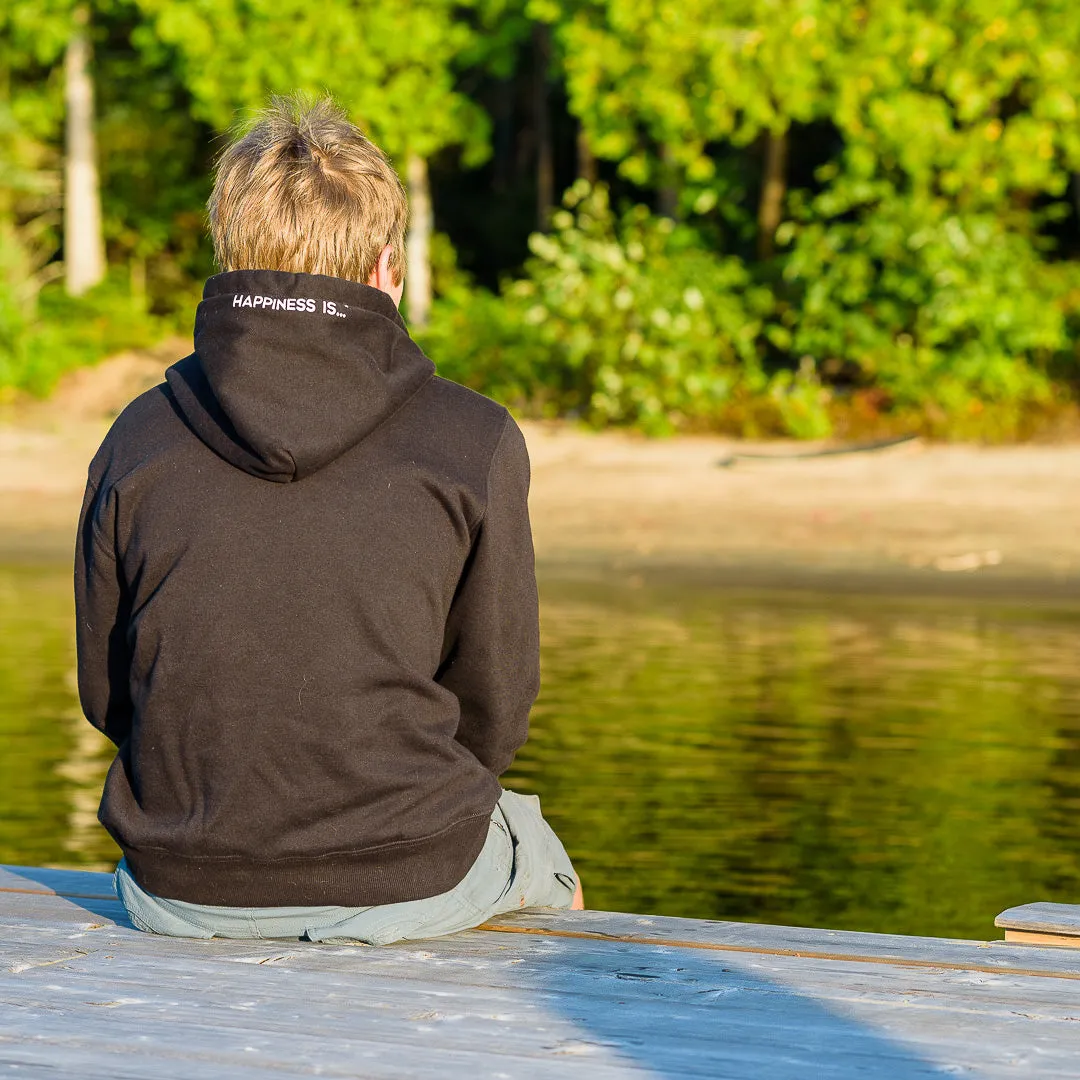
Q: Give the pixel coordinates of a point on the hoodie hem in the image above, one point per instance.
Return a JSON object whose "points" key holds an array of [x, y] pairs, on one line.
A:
{"points": [[390, 874]]}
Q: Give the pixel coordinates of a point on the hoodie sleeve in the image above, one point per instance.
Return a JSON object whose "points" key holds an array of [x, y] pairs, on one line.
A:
{"points": [[492, 644], [102, 610]]}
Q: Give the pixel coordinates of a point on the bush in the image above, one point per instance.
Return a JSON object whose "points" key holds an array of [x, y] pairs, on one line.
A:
{"points": [[949, 318], [69, 332], [618, 320]]}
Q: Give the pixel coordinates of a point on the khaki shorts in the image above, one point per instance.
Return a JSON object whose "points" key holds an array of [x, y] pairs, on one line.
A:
{"points": [[522, 865]]}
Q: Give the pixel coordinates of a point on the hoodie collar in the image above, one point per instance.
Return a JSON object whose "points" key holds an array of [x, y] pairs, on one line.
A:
{"points": [[292, 370]]}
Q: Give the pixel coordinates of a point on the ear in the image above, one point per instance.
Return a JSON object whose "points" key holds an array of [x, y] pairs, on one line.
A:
{"points": [[382, 277]]}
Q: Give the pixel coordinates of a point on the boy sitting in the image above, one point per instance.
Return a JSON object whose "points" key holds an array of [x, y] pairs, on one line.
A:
{"points": [[305, 593]]}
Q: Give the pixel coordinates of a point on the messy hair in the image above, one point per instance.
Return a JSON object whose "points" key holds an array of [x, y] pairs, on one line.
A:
{"points": [[304, 191]]}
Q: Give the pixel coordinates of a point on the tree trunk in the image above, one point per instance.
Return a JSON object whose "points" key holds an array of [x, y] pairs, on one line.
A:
{"points": [[504, 137], [137, 271], [773, 190], [667, 194], [418, 242], [586, 160], [545, 155], [84, 245]]}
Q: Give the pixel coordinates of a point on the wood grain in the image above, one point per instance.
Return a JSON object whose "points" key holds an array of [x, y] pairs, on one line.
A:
{"points": [[600, 995], [1062, 920]]}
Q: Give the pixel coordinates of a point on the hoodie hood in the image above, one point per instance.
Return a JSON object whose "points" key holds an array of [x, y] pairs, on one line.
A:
{"points": [[292, 370]]}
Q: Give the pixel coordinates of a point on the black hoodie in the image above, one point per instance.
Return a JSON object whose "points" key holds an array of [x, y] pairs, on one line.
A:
{"points": [[306, 606]]}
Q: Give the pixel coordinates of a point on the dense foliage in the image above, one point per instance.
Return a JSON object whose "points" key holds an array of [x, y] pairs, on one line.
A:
{"points": [[619, 320], [781, 215]]}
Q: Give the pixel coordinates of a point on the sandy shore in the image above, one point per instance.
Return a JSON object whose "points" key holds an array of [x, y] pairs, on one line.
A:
{"points": [[918, 517], [924, 516]]}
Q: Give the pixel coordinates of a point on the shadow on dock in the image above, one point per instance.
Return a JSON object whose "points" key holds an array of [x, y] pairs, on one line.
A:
{"points": [[96, 898], [560, 1000], [686, 1012]]}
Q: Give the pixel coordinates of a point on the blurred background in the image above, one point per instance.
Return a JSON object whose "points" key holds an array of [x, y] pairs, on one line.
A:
{"points": [[692, 245]]}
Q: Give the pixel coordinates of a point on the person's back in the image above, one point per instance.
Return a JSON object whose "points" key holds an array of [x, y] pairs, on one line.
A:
{"points": [[306, 602]]}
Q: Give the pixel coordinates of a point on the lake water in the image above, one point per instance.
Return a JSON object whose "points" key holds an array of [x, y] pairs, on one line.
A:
{"points": [[897, 765]]}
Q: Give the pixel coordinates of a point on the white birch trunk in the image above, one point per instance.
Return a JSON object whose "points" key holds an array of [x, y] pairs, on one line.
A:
{"points": [[418, 242], [84, 245]]}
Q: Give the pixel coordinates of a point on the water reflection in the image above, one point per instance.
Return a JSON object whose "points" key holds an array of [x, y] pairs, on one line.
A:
{"points": [[872, 764], [53, 762], [876, 765]]}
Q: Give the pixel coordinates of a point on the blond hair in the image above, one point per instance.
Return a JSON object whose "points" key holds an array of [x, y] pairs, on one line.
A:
{"points": [[302, 190]]}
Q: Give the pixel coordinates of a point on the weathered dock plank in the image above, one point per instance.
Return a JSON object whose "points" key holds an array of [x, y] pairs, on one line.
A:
{"points": [[656, 930], [1042, 924], [798, 941], [589, 994]]}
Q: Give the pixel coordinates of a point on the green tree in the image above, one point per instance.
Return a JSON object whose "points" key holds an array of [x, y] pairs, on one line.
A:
{"points": [[144, 190], [391, 65], [915, 255], [32, 37], [920, 263], [656, 84], [37, 37]]}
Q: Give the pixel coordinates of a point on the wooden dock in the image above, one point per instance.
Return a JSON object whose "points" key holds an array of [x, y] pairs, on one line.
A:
{"points": [[590, 994]]}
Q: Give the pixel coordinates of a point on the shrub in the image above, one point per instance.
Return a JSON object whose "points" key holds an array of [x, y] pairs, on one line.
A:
{"points": [[618, 320], [949, 317], [68, 333]]}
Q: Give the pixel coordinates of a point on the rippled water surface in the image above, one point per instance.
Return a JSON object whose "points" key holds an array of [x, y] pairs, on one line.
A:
{"points": [[893, 765]]}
